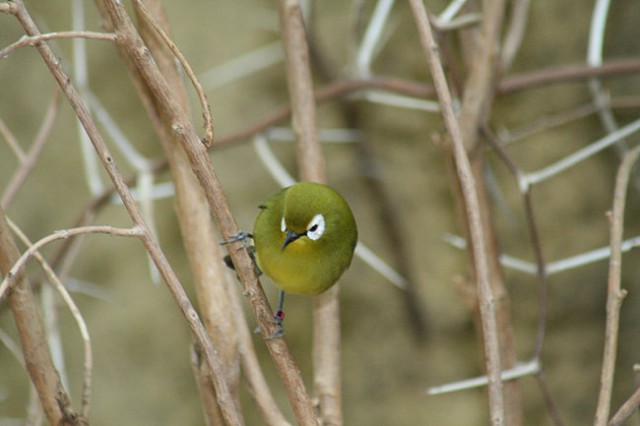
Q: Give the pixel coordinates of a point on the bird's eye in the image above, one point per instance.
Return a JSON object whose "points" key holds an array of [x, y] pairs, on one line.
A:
{"points": [[316, 227]]}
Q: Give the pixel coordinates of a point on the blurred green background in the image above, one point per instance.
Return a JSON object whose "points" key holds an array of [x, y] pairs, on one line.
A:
{"points": [[142, 374]]}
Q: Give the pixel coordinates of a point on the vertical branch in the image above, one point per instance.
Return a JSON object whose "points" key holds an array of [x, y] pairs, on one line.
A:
{"points": [[303, 106], [44, 376], [197, 230], [479, 90], [255, 381], [326, 313], [470, 195], [210, 409], [390, 224], [615, 293], [541, 265], [198, 157]]}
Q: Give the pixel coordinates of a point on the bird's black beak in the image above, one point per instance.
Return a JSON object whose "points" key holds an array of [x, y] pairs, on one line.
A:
{"points": [[290, 237]]}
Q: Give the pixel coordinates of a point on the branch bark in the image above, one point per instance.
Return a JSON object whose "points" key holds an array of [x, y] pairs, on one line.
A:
{"points": [[484, 70], [53, 397], [326, 312], [198, 157], [199, 237], [615, 293], [472, 214]]}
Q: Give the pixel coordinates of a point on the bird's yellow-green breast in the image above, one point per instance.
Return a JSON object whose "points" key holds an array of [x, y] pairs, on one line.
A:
{"points": [[304, 238]]}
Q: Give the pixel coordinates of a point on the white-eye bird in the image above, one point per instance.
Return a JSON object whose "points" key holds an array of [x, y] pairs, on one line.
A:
{"points": [[304, 238]]}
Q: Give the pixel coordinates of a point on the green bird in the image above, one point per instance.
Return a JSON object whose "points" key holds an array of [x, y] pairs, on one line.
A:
{"points": [[304, 238]]}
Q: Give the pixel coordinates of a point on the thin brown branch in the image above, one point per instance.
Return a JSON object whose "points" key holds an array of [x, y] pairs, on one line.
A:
{"points": [[206, 390], [33, 40], [483, 76], [19, 264], [45, 378], [541, 380], [534, 236], [75, 312], [477, 238], [212, 284], [327, 93], [615, 293], [309, 153], [566, 73], [507, 85], [625, 411], [479, 90], [326, 313], [256, 383], [12, 141], [390, 223], [151, 244], [198, 157]]}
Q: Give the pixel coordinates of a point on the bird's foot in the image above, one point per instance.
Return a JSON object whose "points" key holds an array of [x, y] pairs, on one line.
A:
{"points": [[278, 319], [251, 250], [240, 236]]}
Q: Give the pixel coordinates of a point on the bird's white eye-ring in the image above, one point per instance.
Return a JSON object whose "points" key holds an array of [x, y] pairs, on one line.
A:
{"points": [[316, 227], [283, 225]]}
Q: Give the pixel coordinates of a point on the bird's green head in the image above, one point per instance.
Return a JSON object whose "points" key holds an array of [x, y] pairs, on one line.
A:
{"points": [[315, 214]]}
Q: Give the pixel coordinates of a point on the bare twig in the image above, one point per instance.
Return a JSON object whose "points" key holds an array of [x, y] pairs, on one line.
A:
{"points": [[566, 73], [12, 141], [541, 380], [75, 312], [372, 36], [45, 378], [541, 269], [16, 269], [571, 262], [626, 410], [594, 58], [530, 368], [615, 293], [586, 152], [390, 223], [507, 85], [211, 411], [309, 153], [256, 383], [32, 40], [486, 303], [534, 235], [326, 313]]}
